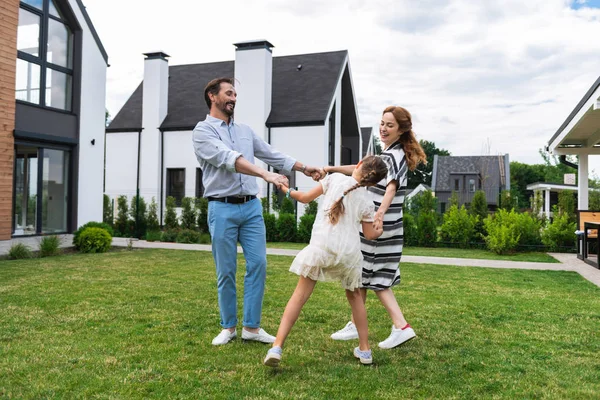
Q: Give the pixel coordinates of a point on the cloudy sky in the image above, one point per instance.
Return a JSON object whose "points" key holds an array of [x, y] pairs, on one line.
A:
{"points": [[480, 77]]}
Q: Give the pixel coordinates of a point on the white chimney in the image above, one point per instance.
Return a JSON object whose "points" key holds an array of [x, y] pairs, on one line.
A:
{"points": [[154, 110], [253, 84]]}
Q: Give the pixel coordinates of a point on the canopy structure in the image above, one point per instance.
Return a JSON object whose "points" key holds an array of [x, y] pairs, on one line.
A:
{"points": [[580, 135]]}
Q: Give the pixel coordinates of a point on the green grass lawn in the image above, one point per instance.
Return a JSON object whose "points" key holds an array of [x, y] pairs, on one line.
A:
{"points": [[447, 252], [139, 325]]}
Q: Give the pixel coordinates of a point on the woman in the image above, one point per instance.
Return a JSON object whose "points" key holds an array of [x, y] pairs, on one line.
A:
{"points": [[381, 268]]}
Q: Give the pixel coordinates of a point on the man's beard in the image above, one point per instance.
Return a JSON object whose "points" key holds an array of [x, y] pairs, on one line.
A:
{"points": [[226, 110]]}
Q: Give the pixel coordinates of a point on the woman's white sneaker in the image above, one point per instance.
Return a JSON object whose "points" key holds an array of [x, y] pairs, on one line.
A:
{"points": [[397, 337], [348, 332]]}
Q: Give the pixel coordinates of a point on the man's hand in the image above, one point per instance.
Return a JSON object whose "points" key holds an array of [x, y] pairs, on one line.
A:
{"points": [[277, 179], [313, 172]]}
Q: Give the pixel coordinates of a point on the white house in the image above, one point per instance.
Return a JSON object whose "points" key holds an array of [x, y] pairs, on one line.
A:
{"points": [[60, 87], [303, 105]]}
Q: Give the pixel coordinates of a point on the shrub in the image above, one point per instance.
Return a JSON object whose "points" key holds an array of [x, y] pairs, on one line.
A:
{"points": [[311, 208], [169, 235], [153, 236], [529, 228], [479, 208], [459, 226], [188, 214], [264, 201], [204, 238], [188, 236], [153, 224], [275, 200], [138, 219], [107, 211], [286, 228], [507, 200], [94, 240], [170, 214], [121, 223], [566, 204], [426, 228], [410, 230], [91, 224], [287, 206], [502, 232], [560, 233], [202, 208], [305, 227], [19, 251], [270, 227], [49, 246]]}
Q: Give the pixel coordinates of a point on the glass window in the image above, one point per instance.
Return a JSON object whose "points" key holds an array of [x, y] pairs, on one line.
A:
{"points": [[55, 181], [176, 184], [456, 185], [26, 184], [59, 44], [58, 89], [199, 186], [28, 81], [472, 185], [35, 3], [52, 9], [28, 33]]}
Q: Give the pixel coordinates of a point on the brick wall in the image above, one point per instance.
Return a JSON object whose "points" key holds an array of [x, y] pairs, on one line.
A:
{"points": [[9, 12]]}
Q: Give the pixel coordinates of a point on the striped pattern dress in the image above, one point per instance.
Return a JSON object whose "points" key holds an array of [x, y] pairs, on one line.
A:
{"points": [[381, 264]]}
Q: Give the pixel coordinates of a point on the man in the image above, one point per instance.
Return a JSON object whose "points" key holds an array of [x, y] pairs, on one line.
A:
{"points": [[226, 151]]}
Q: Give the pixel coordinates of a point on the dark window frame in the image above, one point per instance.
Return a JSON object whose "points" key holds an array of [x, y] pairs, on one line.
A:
{"points": [[199, 186], [168, 189], [41, 59]]}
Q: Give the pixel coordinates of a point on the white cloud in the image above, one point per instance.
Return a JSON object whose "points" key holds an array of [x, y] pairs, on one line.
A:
{"points": [[509, 72]]}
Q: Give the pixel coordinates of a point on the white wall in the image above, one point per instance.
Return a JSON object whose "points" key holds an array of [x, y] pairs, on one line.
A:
{"points": [[91, 125], [179, 153], [121, 164]]}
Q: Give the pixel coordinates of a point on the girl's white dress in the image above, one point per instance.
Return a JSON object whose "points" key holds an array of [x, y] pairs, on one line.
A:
{"points": [[334, 252]]}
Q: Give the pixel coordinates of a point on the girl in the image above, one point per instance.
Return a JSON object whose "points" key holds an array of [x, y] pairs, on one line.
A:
{"points": [[333, 253], [381, 269]]}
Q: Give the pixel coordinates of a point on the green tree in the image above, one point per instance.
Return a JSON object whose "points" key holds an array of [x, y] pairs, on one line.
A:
{"points": [[138, 216], [153, 224], [107, 210], [479, 208], [423, 172], [188, 214], [522, 175], [170, 214], [122, 221]]}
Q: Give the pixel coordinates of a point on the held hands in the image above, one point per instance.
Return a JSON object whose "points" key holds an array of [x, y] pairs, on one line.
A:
{"points": [[314, 172], [277, 179], [378, 222]]}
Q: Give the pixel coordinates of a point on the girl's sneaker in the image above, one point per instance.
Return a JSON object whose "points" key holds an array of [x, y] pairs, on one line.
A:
{"points": [[365, 357], [273, 357]]}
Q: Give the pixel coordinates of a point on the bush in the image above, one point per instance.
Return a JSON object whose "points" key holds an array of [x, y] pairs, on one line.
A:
{"points": [[138, 219], [121, 223], [202, 208], [170, 214], [479, 208], [264, 201], [19, 251], [94, 240], [169, 235], [305, 227], [560, 233], [152, 219], [566, 204], [311, 208], [427, 228], [204, 238], [107, 211], [286, 228], [410, 230], [502, 232], [287, 206], [153, 236], [188, 236], [270, 227], [49, 246], [188, 214], [459, 226], [507, 200], [91, 224], [529, 228]]}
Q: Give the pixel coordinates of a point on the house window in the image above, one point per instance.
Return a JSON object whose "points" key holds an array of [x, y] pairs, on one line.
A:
{"points": [[176, 184], [199, 187], [442, 208], [472, 185], [331, 157], [44, 56], [456, 185]]}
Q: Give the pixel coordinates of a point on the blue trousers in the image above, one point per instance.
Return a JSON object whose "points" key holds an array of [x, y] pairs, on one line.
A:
{"points": [[228, 224]]}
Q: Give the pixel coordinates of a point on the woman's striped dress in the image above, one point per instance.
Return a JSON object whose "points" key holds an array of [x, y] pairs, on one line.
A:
{"points": [[381, 267]]}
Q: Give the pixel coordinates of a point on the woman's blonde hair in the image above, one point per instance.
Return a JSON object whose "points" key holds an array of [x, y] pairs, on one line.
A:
{"points": [[413, 150], [373, 170]]}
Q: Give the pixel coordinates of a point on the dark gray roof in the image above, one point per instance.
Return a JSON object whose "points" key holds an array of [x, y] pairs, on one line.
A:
{"points": [[300, 96], [465, 165], [365, 132]]}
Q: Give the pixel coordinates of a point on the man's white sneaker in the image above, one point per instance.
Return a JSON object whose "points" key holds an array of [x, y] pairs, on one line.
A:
{"points": [[397, 337], [261, 336], [348, 332], [224, 337]]}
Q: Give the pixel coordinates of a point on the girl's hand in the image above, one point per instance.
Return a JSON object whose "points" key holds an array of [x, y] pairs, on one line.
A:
{"points": [[284, 189], [378, 222]]}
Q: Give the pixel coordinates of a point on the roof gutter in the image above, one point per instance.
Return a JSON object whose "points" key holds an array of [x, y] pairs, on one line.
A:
{"points": [[563, 160]]}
